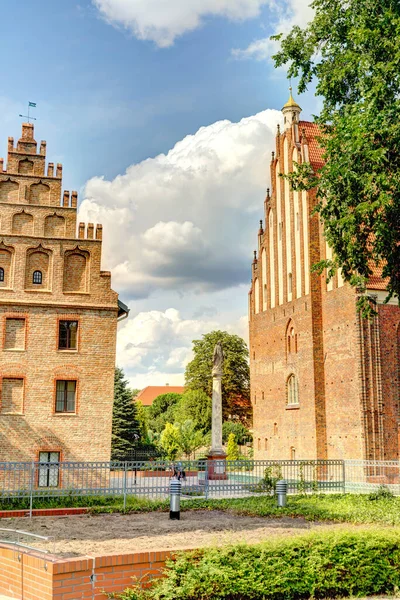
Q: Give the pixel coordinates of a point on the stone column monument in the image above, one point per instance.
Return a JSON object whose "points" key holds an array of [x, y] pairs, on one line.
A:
{"points": [[217, 456]]}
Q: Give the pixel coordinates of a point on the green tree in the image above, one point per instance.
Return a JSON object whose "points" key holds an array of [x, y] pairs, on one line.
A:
{"points": [[162, 411], [142, 416], [169, 441], [190, 438], [351, 49], [125, 424], [232, 450], [241, 433], [195, 406], [236, 374]]}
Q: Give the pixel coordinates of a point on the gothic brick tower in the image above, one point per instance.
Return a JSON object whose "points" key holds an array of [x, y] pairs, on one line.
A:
{"points": [[324, 382], [58, 318]]}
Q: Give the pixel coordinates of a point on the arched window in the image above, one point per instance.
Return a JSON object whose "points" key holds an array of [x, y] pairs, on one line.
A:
{"points": [[292, 390], [37, 277], [292, 453], [1, 274]]}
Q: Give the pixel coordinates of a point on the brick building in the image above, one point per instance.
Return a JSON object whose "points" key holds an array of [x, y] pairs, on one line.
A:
{"points": [[324, 382], [58, 318]]}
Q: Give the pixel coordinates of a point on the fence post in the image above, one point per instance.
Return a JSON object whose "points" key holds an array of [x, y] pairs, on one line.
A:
{"points": [[344, 476], [206, 480], [125, 485], [31, 489]]}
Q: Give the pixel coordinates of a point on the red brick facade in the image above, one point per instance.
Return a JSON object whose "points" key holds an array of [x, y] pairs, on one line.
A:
{"points": [[49, 276], [324, 382]]}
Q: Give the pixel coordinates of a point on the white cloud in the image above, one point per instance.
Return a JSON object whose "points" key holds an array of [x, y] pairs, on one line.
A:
{"points": [[162, 21], [154, 347], [287, 14], [186, 221], [179, 230]]}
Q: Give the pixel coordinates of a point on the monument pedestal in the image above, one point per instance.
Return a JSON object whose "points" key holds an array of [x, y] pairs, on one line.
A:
{"points": [[216, 466]]}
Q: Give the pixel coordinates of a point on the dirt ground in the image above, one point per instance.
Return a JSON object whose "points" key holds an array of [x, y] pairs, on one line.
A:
{"points": [[104, 534]]}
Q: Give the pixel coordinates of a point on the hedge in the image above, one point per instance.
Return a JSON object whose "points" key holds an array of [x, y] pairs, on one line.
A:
{"points": [[324, 565]]}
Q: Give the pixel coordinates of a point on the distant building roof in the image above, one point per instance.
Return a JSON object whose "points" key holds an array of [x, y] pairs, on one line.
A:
{"points": [[150, 393]]}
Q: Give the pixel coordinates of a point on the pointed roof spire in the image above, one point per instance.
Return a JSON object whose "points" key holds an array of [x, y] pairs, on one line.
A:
{"points": [[291, 103]]}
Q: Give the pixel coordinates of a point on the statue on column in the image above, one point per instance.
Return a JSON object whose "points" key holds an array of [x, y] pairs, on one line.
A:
{"points": [[218, 360]]}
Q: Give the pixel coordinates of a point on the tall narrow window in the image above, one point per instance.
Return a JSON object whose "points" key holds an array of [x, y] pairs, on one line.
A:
{"points": [[259, 444], [275, 428], [37, 277], [49, 469], [68, 335], [1, 274], [265, 444], [65, 400], [292, 391], [292, 453], [290, 283]]}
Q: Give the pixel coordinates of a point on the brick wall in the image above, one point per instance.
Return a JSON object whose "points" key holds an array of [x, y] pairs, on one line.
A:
{"points": [[346, 368], [38, 233], [36, 578]]}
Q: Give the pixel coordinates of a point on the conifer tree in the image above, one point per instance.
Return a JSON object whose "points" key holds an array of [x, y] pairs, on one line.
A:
{"points": [[125, 425], [232, 450]]}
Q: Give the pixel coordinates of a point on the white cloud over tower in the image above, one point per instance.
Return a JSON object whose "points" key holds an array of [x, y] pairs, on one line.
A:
{"points": [[182, 225]]}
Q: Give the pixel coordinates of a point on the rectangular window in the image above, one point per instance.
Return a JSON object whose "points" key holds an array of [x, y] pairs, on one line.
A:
{"points": [[67, 335], [14, 334], [65, 396], [49, 469], [12, 396]]}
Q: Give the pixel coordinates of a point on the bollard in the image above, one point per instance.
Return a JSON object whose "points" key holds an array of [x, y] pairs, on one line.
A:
{"points": [[281, 492], [175, 499]]}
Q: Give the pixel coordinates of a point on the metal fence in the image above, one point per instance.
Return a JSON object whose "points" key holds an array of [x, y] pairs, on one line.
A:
{"points": [[151, 479], [203, 478], [364, 476]]}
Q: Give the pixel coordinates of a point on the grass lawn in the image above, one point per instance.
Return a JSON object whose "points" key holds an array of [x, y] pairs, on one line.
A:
{"points": [[352, 508]]}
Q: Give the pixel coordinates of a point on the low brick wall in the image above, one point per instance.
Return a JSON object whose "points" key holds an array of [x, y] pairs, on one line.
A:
{"points": [[43, 512], [34, 577]]}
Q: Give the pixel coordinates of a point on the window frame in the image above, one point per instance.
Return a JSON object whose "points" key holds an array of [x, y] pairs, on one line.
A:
{"points": [[65, 400], [37, 271], [49, 468], [2, 275], [67, 348], [292, 391]]}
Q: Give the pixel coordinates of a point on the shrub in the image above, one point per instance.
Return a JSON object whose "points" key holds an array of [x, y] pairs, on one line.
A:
{"points": [[326, 565], [381, 492]]}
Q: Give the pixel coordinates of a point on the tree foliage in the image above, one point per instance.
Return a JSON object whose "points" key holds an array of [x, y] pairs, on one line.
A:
{"points": [[241, 434], [232, 449], [195, 406], [125, 424], [352, 50], [169, 441], [190, 438], [236, 374], [162, 411]]}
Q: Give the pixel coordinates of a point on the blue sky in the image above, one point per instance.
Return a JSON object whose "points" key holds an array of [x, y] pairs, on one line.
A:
{"points": [[117, 82]]}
